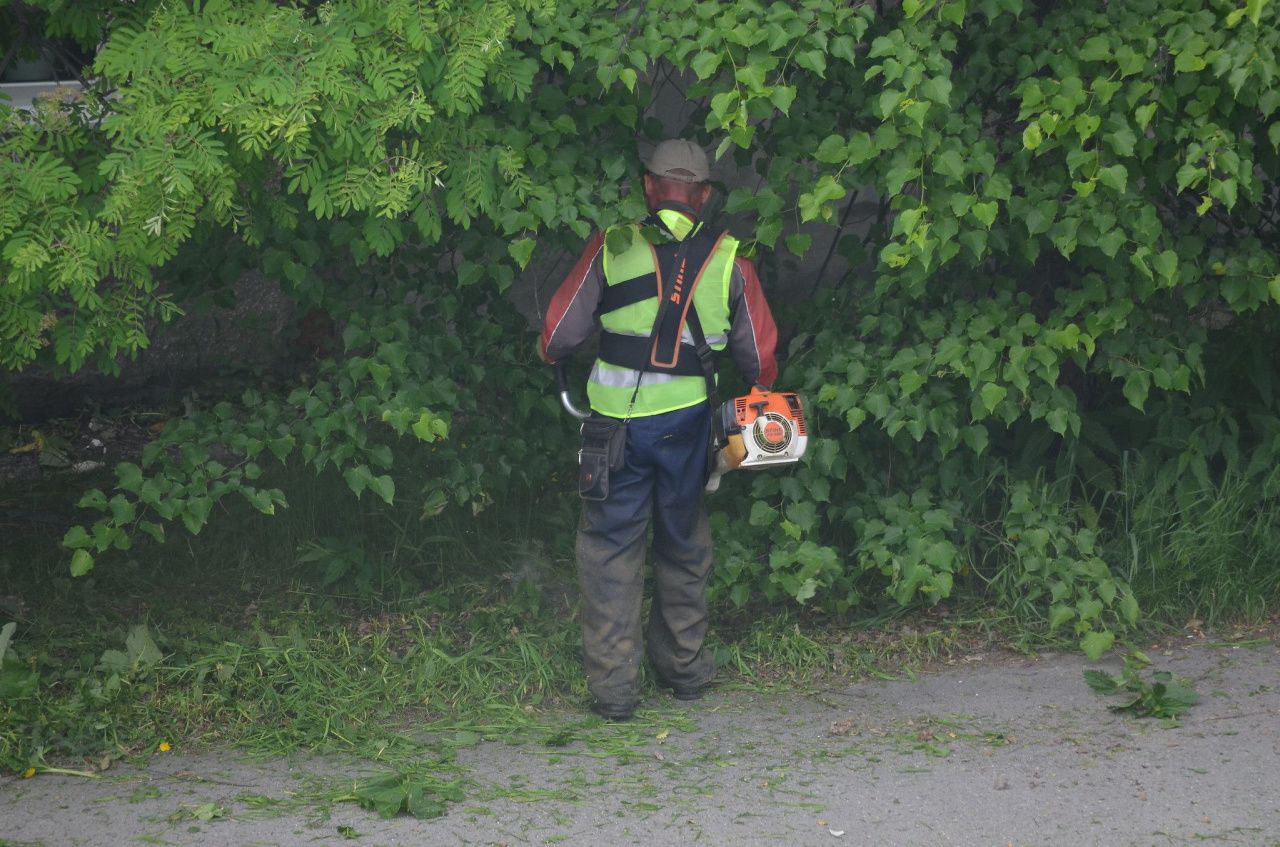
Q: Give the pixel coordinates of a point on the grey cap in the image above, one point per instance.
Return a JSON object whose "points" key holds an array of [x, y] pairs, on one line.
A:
{"points": [[680, 160]]}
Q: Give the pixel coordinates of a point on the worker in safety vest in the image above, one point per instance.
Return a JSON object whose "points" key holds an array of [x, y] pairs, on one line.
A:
{"points": [[652, 377]]}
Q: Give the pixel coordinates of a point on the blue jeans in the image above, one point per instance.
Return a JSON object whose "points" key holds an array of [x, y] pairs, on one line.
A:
{"points": [[661, 484]]}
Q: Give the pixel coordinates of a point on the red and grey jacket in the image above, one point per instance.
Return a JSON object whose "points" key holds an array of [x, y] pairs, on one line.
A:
{"points": [[736, 316]]}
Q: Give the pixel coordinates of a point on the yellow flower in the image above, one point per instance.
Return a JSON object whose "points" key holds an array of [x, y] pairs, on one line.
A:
{"points": [[164, 747], [28, 773]]}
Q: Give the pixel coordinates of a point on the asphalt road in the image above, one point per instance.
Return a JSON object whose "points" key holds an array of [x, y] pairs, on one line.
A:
{"points": [[994, 750]]}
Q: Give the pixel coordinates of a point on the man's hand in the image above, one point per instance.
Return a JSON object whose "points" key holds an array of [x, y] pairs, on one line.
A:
{"points": [[539, 352]]}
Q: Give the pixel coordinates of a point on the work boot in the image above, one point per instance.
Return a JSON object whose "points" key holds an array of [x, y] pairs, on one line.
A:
{"points": [[681, 692], [613, 711]]}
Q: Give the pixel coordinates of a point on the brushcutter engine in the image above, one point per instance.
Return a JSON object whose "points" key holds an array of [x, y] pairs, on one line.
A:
{"points": [[760, 430]]}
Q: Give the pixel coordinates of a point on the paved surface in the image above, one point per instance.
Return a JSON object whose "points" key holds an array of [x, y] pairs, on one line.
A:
{"points": [[994, 751]]}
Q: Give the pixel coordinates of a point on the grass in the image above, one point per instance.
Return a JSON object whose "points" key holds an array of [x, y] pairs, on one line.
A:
{"points": [[424, 637], [1201, 550], [392, 640]]}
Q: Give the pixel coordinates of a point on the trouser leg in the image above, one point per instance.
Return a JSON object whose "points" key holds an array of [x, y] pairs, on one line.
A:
{"points": [[611, 556], [677, 625]]}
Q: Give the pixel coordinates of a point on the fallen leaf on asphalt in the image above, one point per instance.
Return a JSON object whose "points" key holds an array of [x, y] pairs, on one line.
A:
{"points": [[843, 727]]}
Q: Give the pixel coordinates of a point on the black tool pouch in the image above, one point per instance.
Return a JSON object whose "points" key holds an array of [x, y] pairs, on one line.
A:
{"points": [[604, 441]]}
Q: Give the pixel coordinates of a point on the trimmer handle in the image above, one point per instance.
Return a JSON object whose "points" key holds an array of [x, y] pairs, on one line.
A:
{"points": [[562, 380]]}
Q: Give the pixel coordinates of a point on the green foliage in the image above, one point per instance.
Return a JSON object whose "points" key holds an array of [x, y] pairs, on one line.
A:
{"points": [[1162, 697], [422, 795], [17, 680], [1059, 242]]}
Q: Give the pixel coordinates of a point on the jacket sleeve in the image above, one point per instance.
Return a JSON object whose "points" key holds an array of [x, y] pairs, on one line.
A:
{"points": [[753, 336], [571, 317]]}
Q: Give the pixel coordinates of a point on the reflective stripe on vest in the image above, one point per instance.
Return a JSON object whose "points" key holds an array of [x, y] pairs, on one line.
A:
{"points": [[610, 386]]}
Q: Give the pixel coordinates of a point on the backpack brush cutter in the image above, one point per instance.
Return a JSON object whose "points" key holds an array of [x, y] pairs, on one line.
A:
{"points": [[756, 431]]}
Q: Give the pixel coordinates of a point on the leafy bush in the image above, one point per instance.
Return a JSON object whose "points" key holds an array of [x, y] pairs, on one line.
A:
{"points": [[1072, 211]]}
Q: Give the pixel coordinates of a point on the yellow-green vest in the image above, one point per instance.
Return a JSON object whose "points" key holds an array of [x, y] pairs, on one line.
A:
{"points": [[610, 386]]}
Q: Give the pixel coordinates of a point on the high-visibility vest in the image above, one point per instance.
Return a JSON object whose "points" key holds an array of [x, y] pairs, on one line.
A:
{"points": [[670, 381]]}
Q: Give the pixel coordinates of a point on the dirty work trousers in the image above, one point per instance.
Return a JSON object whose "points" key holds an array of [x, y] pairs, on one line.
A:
{"points": [[660, 484]]}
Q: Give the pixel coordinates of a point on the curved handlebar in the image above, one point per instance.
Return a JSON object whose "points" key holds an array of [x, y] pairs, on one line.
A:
{"points": [[562, 380]]}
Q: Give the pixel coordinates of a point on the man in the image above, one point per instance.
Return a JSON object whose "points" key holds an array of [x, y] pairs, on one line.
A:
{"points": [[674, 272]]}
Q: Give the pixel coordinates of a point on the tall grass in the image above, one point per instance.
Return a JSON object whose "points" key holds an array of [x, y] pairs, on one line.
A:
{"points": [[1204, 549]]}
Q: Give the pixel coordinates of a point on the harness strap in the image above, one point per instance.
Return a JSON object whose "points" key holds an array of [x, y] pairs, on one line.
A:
{"points": [[664, 352], [632, 351], [706, 358], [627, 293]]}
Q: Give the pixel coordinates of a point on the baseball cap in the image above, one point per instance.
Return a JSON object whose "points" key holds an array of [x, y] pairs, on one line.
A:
{"points": [[680, 160]]}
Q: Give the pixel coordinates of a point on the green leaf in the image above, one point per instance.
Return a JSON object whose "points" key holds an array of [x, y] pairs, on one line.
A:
{"points": [[81, 562], [1096, 49], [953, 12], [93, 499], [1101, 681], [910, 382], [1165, 266], [975, 437], [122, 511], [814, 61], [521, 250], [1059, 614], [357, 479], [195, 514], [950, 164], [1189, 63], [1094, 643], [798, 243], [1115, 177], [782, 97], [76, 538], [128, 476], [1136, 387], [1129, 608], [384, 487], [430, 428], [985, 212], [1224, 190], [832, 150], [762, 514], [1122, 140], [1032, 137], [844, 47], [153, 529], [705, 64], [992, 395]]}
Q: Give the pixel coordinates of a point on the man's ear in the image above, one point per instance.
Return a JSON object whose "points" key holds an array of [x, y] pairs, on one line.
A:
{"points": [[705, 194]]}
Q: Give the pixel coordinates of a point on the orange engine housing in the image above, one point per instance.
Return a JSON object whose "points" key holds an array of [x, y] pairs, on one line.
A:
{"points": [[761, 429]]}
